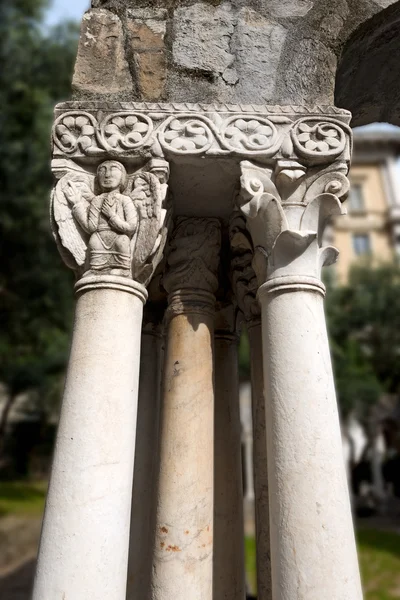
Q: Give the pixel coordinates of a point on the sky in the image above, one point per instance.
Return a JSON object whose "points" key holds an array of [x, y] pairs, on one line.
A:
{"points": [[62, 10]]}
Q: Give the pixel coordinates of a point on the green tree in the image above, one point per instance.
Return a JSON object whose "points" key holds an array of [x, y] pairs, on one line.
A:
{"points": [[364, 326], [35, 290]]}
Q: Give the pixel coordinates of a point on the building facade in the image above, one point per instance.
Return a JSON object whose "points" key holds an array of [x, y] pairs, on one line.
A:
{"points": [[371, 228]]}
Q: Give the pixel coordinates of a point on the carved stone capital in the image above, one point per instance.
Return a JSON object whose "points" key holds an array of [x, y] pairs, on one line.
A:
{"points": [[297, 154], [288, 205], [244, 280], [110, 221], [226, 324], [191, 277]]}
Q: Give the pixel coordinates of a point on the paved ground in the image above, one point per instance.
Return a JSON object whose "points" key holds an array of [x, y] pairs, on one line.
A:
{"points": [[19, 537], [17, 584]]}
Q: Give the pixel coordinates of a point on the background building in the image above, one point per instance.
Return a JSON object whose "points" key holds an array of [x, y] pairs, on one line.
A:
{"points": [[371, 229]]}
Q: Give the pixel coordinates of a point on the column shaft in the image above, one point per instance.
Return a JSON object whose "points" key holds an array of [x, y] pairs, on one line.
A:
{"points": [[182, 563], [84, 545], [260, 466], [312, 540], [229, 580], [146, 464]]}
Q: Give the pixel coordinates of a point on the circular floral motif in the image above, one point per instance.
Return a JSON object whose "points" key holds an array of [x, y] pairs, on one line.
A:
{"points": [[251, 135], [316, 138], [124, 131], [74, 130], [188, 135]]}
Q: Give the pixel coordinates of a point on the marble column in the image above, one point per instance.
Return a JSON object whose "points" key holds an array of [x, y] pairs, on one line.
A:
{"points": [[313, 549], [183, 553], [245, 286], [146, 456], [229, 575], [113, 245]]}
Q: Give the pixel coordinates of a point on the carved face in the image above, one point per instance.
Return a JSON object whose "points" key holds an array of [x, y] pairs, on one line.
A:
{"points": [[111, 176]]}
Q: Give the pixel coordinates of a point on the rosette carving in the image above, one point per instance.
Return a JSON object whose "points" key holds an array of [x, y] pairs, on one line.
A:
{"points": [[75, 130], [318, 139], [198, 129], [186, 135], [252, 135], [121, 132]]}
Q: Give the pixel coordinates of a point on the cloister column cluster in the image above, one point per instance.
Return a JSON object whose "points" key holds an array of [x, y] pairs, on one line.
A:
{"points": [[195, 172]]}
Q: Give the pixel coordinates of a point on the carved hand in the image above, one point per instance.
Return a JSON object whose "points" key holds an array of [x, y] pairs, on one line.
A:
{"points": [[109, 210], [71, 192]]}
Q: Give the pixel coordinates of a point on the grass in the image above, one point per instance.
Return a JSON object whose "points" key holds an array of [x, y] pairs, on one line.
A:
{"points": [[22, 498], [379, 551], [379, 554]]}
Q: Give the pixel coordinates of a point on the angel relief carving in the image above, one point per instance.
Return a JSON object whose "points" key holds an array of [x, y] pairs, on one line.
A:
{"points": [[109, 223]]}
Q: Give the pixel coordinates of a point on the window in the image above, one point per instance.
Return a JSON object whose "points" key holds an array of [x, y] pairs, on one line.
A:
{"points": [[356, 198], [361, 244]]}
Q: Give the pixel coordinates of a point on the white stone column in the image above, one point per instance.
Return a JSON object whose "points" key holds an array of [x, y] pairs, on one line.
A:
{"points": [[313, 549], [229, 571], [84, 544], [146, 458], [183, 553], [112, 235], [245, 285]]}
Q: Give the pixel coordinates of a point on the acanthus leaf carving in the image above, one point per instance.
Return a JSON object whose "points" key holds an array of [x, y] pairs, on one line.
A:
{"points": [[110, 222], [287, 219]]}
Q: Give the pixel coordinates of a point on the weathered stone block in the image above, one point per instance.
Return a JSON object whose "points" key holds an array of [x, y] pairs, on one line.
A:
{"points": [[290, 8], [202, 36], [151, 75], [258, 43], [146, 28], [101, 66]]}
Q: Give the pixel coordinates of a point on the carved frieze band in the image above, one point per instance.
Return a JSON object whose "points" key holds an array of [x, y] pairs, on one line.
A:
{"points": [[95, 132]]}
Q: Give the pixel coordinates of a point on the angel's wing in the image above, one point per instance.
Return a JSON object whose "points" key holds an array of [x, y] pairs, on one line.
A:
{"points": [[147, 197], [71, 238]]}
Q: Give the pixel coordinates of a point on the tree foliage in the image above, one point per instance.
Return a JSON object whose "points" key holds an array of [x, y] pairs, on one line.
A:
{"points": [[364, 326], [35, 290]]}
